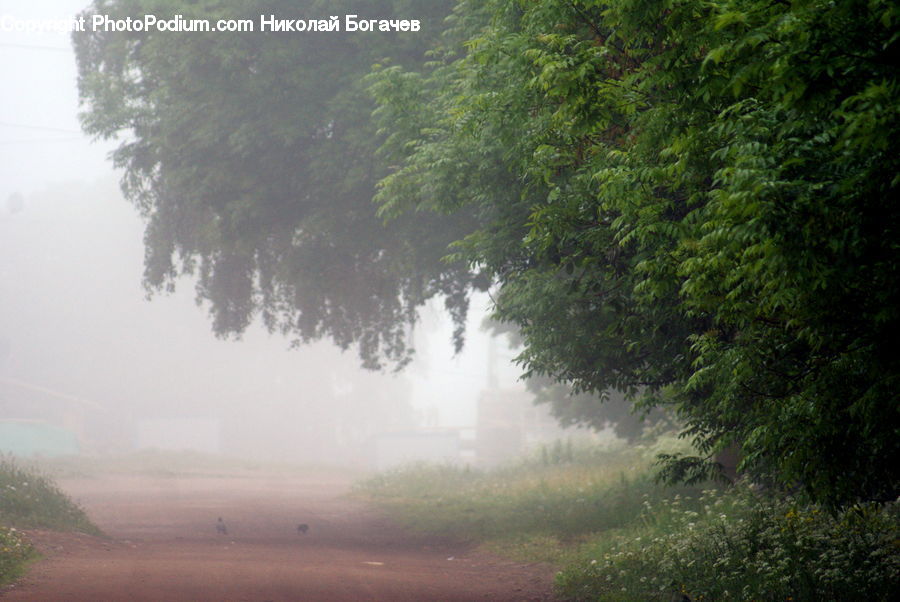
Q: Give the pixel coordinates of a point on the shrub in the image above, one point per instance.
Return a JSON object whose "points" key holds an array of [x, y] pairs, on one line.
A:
{"points": [[14, 554], [740, 546], [31, 500], [592, 489]]}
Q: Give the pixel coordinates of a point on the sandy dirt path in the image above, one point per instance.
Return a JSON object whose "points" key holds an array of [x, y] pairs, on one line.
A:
{"points": [[163, 546]]}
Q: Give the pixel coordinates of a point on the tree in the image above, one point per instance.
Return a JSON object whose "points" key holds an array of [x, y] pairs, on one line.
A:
{"points": [[694, 203], [598, 411], [252, 157]]}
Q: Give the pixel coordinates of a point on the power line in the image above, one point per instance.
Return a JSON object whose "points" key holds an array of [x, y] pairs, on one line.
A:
{"points": [[35, 47], [41, 140], [45, 128]]}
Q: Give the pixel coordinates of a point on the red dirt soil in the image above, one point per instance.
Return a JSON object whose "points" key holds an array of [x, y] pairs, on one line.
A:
{"points": [[163, 546]]}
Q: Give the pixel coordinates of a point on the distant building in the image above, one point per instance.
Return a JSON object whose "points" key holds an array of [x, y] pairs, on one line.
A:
{"points": [[390, 450], [511, 424], [39, 420], [28, 438], [179, 434]]}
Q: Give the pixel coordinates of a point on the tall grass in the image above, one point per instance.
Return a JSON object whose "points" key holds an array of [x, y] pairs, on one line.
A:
{"points": [[15, 553], [740, 545], [30, 500], [535, 500], [619, 536]]}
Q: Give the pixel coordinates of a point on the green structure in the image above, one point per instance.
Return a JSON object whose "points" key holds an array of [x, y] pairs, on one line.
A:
{"points": [[26, 438]]}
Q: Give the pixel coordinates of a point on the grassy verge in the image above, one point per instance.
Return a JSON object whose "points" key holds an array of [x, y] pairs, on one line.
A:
{"points": [[15, 554], [30, 500], [742, 545], [534, 510], [616, 535]]}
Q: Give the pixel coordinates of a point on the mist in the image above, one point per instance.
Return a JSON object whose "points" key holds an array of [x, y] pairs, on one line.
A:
{"points": [[241, 244], [82, 348]]}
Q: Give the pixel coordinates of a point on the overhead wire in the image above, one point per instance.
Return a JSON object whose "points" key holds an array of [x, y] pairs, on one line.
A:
{"points": [[38, 127], [35, 47], [41, 140]]}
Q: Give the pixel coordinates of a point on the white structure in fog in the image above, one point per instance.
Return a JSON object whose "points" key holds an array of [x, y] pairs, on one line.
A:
{"points": [[434, 447], [180, 434]]}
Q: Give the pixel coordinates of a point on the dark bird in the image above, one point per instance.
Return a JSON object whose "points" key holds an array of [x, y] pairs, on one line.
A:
{"points": [[302, 528], [220, 527]]}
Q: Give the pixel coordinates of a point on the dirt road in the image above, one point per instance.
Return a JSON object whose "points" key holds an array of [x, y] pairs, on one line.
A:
{"points": [[163, 546]]}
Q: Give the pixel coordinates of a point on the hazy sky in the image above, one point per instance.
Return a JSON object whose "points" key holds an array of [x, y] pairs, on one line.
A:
{"points": [[40, 138], [70, 296]]}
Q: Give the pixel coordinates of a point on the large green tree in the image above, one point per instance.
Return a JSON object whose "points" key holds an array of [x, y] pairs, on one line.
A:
{"points": [[597, 410], [693, 202], [252, 157]]}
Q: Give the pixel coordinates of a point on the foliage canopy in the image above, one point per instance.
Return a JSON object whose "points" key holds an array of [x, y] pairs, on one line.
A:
{"points": [[252, 158], [691, 202], [694, 202]]}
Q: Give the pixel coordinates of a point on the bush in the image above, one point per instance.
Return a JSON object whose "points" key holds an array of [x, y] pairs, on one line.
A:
{"points": [[31, 500], [14, 554], [740, 546], [590, 490]]}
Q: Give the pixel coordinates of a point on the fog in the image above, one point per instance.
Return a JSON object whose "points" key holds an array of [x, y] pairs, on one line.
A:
{"points": [[77, 336], [82, 349]]}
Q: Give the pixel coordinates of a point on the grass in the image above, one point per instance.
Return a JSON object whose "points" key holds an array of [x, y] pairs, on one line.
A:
{"points": [[617, 535], [30, 500], [742, 545], [534, 510], [15, 554]]}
